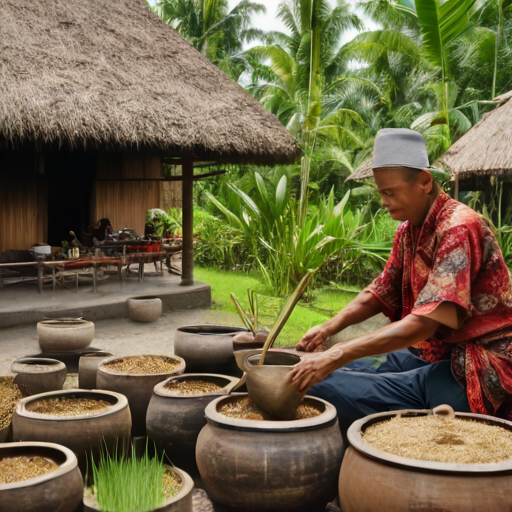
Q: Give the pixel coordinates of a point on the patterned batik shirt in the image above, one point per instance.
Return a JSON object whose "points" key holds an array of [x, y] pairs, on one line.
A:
{"points": [[456, 257]]}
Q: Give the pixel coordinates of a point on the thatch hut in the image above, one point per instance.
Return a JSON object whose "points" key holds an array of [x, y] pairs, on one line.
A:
{"points": [[94, 96]]}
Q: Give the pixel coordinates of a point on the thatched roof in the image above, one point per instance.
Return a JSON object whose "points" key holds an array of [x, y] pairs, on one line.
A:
{"points": [[110, 73], [363, 171], [486, 148]]}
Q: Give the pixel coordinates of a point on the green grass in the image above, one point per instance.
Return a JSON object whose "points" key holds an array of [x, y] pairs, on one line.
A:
{"points": [[325, 304]]}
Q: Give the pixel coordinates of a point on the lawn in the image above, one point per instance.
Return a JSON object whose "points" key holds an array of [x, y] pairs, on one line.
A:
{"points": [[325, 304]]}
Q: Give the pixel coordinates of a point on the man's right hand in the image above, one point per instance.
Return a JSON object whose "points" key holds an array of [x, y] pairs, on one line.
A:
{"points": [[313, 339]]}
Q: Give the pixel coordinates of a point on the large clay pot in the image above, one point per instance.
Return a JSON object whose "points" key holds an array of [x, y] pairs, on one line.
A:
{"points": [[180, 502], [92, 431], [138, 389], [399, 484], [207, 348], [175, 421], [64, 334], [38, 375], [270, 465], [58, 491], [144, 309], [88, 367]]}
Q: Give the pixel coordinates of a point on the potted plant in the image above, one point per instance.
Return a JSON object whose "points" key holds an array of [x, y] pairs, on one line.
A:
{"points": [[257, 334]]}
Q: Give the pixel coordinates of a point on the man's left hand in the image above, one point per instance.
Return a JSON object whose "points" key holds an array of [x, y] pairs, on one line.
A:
{"points": [[315, 367]]}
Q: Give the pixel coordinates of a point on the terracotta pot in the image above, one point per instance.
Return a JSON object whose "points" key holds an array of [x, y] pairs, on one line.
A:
{"points": [[87, 432], [180, 502], [207, 348], [64, 334], [138, 389], [88, 367], [38, 375], [399, 484], [144, 309], [175, 421], [58, 491], [270, 465]]}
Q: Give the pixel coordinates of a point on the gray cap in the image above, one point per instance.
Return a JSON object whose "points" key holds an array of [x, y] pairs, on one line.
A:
{"points": [[399, 147]]}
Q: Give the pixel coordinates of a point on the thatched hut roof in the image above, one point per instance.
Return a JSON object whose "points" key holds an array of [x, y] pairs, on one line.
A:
{"points": [[111, 74], [363, 171], [486, 148]]}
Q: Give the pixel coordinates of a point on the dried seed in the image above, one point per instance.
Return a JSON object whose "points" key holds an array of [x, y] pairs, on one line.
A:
{"points": [[68, 405], [172, 484], [142, 365], [17, 469], [427, 438], [10, 395], [191, 387]]}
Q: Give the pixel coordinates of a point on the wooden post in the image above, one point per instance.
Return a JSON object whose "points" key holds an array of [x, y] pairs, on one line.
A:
{"points": [[456, 187], [187, 262]]}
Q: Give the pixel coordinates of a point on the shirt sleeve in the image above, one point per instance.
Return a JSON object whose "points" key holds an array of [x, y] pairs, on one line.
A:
{"points": [[450, 278], [387, 287]]}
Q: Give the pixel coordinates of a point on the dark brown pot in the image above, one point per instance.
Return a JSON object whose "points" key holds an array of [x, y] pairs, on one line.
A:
{"points": [[88, 367], [138, 389], [270, 465], [207, 348], [82, 434], [38, 375], [175, 421], [181, 502], [58, 491], [399, 484]]}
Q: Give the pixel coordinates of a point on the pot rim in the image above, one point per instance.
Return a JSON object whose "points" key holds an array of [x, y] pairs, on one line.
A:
{"points": [[187, 486], [144, 297], [102, 354], [68, 465], [21, 365], [356, 442], [160, 389], [327, 417], [74, 323], [250, 358], [232, 329], [22, 411], [178, 370]]}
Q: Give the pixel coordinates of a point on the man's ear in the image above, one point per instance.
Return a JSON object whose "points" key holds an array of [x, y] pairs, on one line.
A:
{"points": [[426, 180]]}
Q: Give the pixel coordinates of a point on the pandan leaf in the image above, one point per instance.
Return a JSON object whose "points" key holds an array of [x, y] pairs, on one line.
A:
{"points": [[241, 313]]}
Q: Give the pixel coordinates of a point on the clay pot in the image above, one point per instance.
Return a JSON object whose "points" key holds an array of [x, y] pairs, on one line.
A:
{"points": [[4, 433], [84, 433], [38, 375], [144, 309], [180, 502], [270, 465], [59, 490], [138, 389], [64, 334], [399, 484], [88, 367], [175, 421], [207, 348]]}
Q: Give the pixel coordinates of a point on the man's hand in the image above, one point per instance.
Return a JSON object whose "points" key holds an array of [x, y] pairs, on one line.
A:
{"points": [[313, 339], [314, 368]]}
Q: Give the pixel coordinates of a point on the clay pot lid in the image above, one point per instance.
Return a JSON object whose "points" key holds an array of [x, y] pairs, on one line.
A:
{"points": [[357, 443], [326, 417], [161, 390], [118, 400], [36, 365], [70, 461], [103, 366]]}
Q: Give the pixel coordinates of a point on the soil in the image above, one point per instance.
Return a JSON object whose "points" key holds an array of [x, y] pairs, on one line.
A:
{"points": [[142, 365], [172, 484], [17, 469], [191, 387], [68, 406], [10, 394], [244, 409], [430, 438]]}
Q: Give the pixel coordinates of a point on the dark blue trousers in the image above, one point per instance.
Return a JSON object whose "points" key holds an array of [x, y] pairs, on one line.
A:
{"points": [[404, 381]]}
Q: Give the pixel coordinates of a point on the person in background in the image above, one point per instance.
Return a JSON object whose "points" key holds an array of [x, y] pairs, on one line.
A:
{"points": [[101, 232]]}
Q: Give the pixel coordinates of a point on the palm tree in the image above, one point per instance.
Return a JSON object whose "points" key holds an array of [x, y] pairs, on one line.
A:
{"points": [[213, 29]]}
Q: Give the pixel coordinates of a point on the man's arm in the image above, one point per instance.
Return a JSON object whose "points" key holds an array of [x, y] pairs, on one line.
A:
{"points": [[364, 306], [316, 367]]}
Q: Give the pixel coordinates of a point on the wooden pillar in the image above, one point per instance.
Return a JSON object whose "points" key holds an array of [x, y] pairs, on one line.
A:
{"points": [[187, 263], [456, 187]]}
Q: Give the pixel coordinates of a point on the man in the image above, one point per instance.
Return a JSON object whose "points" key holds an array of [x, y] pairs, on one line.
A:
{"points": [[447, 291]]}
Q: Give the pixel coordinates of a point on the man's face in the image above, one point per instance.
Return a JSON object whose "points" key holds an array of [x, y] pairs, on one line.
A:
{"points": [[404, 193]]}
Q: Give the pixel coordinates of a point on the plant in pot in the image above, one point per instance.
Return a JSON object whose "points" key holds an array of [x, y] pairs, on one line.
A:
{"points": [[144, 484]]}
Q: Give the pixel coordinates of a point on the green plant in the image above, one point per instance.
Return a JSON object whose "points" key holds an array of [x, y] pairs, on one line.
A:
{"points": [[162, 222], [250, 319], [129, 484]]}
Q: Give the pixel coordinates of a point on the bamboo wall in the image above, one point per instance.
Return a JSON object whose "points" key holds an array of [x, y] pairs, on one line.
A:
{"points": [[23, 201], [122, 201]]}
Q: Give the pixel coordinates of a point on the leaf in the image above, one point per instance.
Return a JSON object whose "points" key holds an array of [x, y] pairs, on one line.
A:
{"points": [[338, 210], [281, 190], [261, 186]]}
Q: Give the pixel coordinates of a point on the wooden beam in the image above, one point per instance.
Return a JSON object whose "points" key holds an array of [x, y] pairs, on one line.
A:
{"points": [[170, 178], [187, 262]]}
